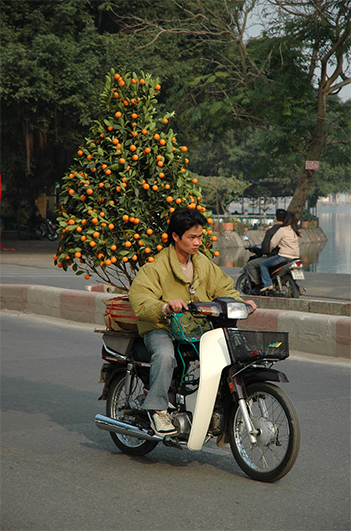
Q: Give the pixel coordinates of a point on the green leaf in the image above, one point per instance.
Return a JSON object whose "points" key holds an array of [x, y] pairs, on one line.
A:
{"points": [[221, 74], [216, 107]]}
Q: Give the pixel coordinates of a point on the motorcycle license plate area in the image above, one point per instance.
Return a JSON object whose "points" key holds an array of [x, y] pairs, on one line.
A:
{"points": [[297, 275]]}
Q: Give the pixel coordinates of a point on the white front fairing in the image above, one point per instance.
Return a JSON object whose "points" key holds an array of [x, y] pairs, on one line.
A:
{"points": [[214, 356]]}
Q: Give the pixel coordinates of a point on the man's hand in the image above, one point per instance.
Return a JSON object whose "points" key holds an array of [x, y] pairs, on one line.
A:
{"points": [[176, 306], [253, 305]]}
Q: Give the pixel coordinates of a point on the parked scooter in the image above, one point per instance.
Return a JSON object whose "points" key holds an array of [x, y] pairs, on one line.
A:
{"points": [[221, 388], [283, 277], [45, 228], [48, 230], [29, 232]]}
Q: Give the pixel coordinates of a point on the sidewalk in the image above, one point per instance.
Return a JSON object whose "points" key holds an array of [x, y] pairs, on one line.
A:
{"points": [[38, 254]]}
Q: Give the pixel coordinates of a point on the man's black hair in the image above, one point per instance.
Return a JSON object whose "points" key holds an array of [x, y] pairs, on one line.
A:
{"points": [[280, 214], [182, 220]]}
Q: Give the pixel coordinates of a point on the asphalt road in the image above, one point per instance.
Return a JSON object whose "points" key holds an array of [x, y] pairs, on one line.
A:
{"points": [[59, 472], [32, 263]]}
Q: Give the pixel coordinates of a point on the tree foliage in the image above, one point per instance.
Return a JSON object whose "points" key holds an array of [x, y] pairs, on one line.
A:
{"points": [[247, 107], [282, 83], [52, 62], [218, 192], [128, 177]]}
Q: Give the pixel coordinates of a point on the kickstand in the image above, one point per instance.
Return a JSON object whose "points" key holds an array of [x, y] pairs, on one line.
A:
{"points": [[172, 442]]}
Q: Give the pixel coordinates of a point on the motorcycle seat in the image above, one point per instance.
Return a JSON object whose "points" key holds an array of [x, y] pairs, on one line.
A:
{"points": [[140, 352], [118, 345], [287, 261]]}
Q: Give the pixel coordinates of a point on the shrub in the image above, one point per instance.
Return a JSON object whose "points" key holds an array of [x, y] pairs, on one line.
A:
{"points": [[128, 177]]}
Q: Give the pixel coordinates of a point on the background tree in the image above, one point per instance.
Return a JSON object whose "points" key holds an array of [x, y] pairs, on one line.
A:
{"points": [[323, 31], [248, 107], [128, 177], [53, 60], [283, 83], [218, 192]]}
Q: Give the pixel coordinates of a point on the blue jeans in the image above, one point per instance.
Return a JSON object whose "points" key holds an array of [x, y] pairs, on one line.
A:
{"points": [[160, 345], [270, 262]]}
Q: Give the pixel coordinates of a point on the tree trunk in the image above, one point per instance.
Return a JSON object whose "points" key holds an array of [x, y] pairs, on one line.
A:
{"points": [[314, 151], [298, 201], [29, 143]]}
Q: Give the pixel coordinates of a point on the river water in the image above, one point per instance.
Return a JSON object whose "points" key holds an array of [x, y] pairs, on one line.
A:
{"points": [[333, 256]]}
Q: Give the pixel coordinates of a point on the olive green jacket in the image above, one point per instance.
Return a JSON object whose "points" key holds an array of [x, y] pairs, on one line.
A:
{"points": [[160, 281]]}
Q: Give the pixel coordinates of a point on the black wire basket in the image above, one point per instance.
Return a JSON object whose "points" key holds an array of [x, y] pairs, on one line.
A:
{"points": [[246, 346]]}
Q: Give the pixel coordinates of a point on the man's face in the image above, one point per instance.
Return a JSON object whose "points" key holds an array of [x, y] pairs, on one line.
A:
{"points": [[190, 241]]}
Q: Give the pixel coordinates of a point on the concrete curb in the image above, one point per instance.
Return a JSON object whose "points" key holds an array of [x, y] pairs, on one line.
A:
{"points": [[69, 304], [342, 309], [233, 239], [327, 335]]}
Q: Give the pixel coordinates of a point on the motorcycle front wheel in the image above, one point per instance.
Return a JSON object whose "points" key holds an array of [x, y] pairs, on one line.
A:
{"points": [[52, 236], [274, 416], [243, 284], [117, 402], [290, 288]]}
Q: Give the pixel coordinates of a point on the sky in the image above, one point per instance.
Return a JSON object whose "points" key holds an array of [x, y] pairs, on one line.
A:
{"points": [[345, 92]]}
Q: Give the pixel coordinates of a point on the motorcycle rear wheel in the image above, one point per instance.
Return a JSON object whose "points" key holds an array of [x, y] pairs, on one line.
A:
{"points": [[116, 402], [290, 288], [243, 284], [274, 415], [38, 233]]}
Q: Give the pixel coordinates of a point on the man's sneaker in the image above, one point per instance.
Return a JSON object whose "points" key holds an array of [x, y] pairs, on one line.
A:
{"points": [[163, 423], [267, 288]]}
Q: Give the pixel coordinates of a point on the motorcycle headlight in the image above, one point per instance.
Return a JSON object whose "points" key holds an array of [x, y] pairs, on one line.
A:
{"points": [[237, 310]]}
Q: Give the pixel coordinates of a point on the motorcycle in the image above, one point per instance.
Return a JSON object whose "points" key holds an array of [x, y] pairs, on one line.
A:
{"points": [[223, 387], [48, 230], [29, 232], [45, 228], [283, 277]]}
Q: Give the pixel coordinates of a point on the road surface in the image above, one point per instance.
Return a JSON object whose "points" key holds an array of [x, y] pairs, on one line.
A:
{"points": [[59, 472]]}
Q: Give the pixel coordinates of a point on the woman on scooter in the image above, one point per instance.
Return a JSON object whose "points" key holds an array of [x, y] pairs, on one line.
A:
{"points": [[286, 238]]}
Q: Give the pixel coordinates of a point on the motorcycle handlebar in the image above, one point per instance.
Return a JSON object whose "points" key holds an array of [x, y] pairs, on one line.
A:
{"points": [[214, 309]]}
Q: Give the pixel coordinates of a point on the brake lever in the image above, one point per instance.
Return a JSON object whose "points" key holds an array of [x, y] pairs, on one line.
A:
{"points": [[250, 308], [192, 307]]}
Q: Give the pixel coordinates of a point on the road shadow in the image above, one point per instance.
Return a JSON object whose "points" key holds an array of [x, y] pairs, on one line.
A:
{"points": [[74, 410]]}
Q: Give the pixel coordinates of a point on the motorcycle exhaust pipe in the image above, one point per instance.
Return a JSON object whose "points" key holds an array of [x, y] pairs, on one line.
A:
{"points": [[116, 426]]}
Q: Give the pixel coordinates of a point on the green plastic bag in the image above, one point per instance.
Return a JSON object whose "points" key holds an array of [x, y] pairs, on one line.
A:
{"points": [[188, 327]]}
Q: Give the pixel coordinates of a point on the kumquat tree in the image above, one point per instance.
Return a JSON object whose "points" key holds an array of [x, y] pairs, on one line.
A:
{"points": [[126, 180]]}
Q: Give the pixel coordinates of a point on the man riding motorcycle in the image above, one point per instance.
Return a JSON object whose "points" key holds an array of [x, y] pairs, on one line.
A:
{"points": [[253, 266], [180, 274]]}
